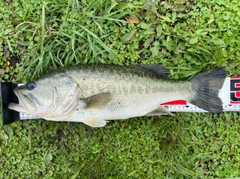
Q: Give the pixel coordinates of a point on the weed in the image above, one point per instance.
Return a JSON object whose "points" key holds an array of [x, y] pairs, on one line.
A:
{"points": [[186, 36]]}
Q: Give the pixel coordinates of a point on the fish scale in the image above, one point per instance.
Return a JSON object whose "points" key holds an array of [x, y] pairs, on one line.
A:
{"points": [[98, 93]]}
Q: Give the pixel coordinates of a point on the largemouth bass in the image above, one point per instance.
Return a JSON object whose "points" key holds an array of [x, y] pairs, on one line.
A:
{"points": [[95, 94]]}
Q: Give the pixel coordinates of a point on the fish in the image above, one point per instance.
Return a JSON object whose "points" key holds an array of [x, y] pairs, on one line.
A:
{"points": [[95, 94]]}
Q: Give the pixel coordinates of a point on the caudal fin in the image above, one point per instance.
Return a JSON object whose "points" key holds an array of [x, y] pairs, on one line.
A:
{"points": [[207, 86]]}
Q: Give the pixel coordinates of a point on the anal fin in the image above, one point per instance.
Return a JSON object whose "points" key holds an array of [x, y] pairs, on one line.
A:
{"points": [[160, 110]]}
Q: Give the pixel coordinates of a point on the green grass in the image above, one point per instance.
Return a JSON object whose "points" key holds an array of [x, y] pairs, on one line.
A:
{"points": [[38, 36]]}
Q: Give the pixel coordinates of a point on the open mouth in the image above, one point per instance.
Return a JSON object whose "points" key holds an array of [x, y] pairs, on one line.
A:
{"points": [[25, 104]]}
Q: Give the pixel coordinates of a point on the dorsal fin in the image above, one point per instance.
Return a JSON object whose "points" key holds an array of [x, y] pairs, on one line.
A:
{"points": [[159, 70]]}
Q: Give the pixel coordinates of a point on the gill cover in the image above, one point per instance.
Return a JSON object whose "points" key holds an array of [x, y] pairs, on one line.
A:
{"points": [[51, 97]]}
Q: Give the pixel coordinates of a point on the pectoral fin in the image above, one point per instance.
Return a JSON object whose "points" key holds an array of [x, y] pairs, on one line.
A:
{"points": [[94, 122], [98, 100], [159, 111]]}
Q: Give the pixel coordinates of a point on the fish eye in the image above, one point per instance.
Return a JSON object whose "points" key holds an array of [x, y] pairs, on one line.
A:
{"points": [[31, 85]]}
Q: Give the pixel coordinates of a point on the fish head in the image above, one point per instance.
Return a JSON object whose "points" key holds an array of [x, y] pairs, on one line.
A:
{"points": [[52, 97]]}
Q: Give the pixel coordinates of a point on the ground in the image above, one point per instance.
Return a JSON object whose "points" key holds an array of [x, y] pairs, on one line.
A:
{"points": [[186, 36]]}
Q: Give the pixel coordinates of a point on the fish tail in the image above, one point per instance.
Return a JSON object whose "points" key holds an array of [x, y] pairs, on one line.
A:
{"points": [[206, 86]]}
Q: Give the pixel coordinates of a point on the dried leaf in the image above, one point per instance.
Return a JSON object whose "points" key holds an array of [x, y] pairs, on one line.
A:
{"points": [[6, 51], [2, 71], [132, 20]]}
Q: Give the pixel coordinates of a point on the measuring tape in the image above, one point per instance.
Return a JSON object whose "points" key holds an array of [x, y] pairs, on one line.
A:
{"points": [[229, 94]]}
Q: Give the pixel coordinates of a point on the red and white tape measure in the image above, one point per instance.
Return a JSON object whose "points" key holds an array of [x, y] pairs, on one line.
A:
{"points": [[229, 93]]}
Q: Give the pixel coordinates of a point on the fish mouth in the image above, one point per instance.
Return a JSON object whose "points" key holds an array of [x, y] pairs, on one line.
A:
{"points": [[25, 105]]}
